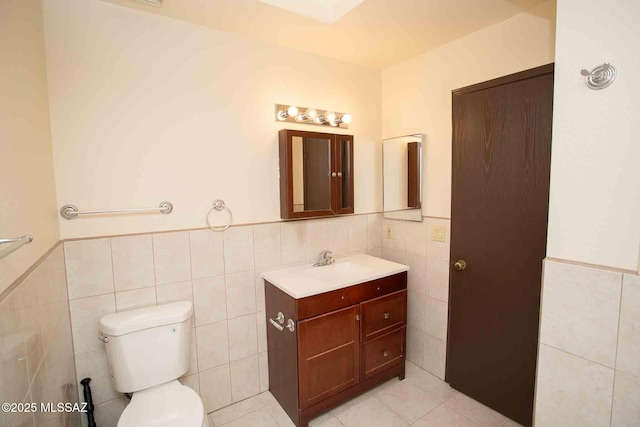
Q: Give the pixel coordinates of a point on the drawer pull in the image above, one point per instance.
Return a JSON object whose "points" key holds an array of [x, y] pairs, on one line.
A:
{"points": [[277, 326], [386, 315], [385, 353]]}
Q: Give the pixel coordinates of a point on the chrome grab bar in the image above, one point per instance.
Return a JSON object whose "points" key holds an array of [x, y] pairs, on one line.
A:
{"points": [[18, 242], [72, 212]]}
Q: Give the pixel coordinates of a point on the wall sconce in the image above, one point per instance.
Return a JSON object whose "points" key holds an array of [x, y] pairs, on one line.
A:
{"points": [[312, 116]]}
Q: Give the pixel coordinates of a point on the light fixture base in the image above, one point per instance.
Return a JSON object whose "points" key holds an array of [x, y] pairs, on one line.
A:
{"points": [[317, 117]]}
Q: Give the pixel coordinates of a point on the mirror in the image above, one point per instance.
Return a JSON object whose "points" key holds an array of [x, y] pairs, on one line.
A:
{"points": [[316, 174], [311, 173], [402, 177]]}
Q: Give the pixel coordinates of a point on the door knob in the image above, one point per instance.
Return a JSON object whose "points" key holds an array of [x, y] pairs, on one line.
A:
{"points": [[460, 265]]}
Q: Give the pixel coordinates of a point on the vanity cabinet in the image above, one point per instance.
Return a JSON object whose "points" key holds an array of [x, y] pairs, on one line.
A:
{"points": [[316, 174], [338, 344]]}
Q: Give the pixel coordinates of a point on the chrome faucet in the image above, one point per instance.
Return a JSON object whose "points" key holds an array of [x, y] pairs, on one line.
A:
{"points": [[324, 258]]}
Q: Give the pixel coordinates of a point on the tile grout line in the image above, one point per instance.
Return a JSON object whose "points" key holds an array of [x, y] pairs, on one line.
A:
{"points": [[226, 303], [194, 330], [615, 360], [578, 357]]}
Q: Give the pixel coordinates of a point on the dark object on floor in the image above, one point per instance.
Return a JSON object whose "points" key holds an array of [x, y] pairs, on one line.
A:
{"points": [[89, 399]]}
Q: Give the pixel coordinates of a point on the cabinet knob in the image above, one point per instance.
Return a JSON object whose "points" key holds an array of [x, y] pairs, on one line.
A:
{"points": [[386, 315], [339, 173], [385, 353], [333, 174]]}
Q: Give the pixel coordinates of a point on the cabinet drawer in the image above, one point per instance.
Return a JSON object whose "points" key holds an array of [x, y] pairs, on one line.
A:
{"points": [[382, 352], [383, 314]]}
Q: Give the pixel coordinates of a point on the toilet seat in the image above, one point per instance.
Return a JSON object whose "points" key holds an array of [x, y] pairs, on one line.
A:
{"points": [[167, 405]]}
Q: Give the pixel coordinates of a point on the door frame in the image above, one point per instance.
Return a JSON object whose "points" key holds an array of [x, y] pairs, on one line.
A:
{"points": [[512, 78]]}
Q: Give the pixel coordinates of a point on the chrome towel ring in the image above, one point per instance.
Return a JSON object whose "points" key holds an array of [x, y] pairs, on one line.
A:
{"points": [[219, 206]]}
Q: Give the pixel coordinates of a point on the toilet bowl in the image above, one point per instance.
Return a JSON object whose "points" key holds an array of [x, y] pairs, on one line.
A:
{"points": [[148, 349], [166, 405]]}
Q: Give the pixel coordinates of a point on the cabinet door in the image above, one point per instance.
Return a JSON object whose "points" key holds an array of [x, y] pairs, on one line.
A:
{"points": [[328, 354], [306, 166], [343, 182]]}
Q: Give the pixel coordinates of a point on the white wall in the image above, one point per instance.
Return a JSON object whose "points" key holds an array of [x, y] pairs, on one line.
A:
{"points": [[27, 191], [146, 109], [416, 94], [595, 170]]}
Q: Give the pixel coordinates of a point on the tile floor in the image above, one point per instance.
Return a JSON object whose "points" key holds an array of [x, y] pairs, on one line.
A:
{"points": [[422, 400]]}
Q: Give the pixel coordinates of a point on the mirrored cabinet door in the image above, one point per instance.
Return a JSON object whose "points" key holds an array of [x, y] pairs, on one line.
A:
{"points": [[402, 177], [316, 174], [311, 164]]}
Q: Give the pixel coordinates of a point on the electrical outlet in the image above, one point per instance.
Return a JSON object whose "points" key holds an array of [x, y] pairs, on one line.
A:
{"points": [[437, 233]]}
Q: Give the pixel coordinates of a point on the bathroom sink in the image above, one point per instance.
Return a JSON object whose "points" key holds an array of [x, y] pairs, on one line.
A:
{"points": [[306, 280], [336, 271]]}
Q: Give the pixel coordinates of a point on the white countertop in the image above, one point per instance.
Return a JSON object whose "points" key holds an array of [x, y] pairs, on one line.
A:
{"points": [[306, 280]]}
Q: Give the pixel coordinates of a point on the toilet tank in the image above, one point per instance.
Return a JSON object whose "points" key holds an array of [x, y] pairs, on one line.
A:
{"points": [[147, 346]]}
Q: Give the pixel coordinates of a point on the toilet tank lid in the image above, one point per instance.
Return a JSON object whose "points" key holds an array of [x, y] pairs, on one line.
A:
{"points": [[129, 321]]}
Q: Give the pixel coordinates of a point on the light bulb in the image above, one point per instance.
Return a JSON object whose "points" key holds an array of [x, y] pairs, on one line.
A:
{"points": [[282, 115], [330, 116], [333, 123], [311, 113], [292, 111], [301, 117], [346, 118]]}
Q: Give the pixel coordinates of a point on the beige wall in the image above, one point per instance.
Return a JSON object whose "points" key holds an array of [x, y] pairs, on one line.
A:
{"points": [[146, 109], [595, 177], [416, 94], [27, 191]]}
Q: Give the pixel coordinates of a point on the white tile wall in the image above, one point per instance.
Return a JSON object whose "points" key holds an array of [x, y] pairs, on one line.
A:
{"points": [[220, 273], [588, 366], [37, 352], [628, 359], [89, 267], [572, 391], [580, 311], [626, 400], [410, 243], [133, 262]]}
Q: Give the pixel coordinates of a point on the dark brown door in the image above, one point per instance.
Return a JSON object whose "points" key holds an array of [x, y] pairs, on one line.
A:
{"points": [[500, 198], [328, 354]]}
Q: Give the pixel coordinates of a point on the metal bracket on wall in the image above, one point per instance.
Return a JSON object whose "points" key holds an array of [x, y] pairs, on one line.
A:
{"points": [[600, 77]]}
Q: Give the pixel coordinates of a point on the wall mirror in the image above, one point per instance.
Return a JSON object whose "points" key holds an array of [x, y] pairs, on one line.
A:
{"points": [[316, 174], [402, 177]]}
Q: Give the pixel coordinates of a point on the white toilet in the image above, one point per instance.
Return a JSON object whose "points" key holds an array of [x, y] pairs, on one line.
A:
{"points": [[148, 350]]}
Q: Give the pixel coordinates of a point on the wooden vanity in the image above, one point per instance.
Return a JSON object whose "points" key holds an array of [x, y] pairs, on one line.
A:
{"points": [[329, 347]]}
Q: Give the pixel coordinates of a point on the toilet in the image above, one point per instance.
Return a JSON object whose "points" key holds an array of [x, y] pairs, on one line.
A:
{"points": [[148, 349]]}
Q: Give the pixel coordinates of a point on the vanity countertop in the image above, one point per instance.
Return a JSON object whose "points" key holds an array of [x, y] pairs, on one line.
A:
{"points": [[306, 280]]}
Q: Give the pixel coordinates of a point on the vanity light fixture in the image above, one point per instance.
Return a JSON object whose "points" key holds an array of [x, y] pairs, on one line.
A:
{"points": [[312, 116]]}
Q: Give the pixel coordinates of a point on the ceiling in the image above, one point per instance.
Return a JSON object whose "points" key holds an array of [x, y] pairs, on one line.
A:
{"points": [[372, 33]]}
